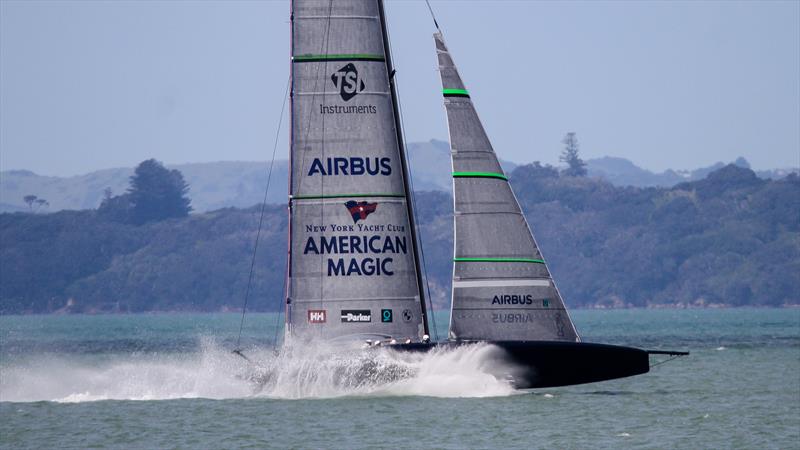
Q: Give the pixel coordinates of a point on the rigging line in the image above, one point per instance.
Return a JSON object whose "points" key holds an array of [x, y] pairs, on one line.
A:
{"points": [[414, 197], [261, 216], [432, 15], [666, 361], [327, 41]]}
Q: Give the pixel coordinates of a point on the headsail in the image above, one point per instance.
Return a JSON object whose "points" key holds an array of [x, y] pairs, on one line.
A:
{"points": [[502, 289], [352, 262]]}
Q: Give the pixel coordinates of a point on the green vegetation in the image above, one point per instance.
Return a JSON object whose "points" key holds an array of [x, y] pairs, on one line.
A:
{"points": [[155, 193], [730, 238], [576, 167]]}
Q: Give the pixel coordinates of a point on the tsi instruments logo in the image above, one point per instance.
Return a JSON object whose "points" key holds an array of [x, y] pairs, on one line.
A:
{"points": [[317, 316], [348, 82], [356, 315]]}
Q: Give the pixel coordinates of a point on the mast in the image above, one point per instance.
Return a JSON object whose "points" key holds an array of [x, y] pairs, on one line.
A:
{"points": [[403, 157]]}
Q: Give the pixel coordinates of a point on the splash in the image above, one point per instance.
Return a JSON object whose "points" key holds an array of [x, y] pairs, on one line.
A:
{"points": [[216, 373]]}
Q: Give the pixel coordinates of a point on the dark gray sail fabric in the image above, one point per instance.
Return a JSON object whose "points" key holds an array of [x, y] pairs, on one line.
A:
{"points": [[502, 289], [351, 263]]}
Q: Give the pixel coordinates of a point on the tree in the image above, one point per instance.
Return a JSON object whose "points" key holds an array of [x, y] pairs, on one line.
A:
{"points": [[157, 193], [29, 199], [40, 203], [577, 167]]}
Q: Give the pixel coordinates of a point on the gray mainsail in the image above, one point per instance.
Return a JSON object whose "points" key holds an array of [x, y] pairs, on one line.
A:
{"points": [[502, 289], [353, 267]]}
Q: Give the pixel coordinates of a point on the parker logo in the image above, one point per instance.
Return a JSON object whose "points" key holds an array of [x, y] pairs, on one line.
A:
{"points": [[348, 82], [356, 315], [317, 316], [360, 210]]}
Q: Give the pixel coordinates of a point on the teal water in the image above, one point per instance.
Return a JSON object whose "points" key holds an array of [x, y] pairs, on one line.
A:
{"points": [[169, 381]]}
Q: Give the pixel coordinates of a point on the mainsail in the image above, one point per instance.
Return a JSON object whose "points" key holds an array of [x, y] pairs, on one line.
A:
{"points": [[353, 267], [502, 289]]}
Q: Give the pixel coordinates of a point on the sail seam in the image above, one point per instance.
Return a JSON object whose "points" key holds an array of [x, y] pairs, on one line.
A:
{"points": [[515, 308], [336, 17], [353, 299], [317, 197], [338, 57], [479, 175], [521, 260]]}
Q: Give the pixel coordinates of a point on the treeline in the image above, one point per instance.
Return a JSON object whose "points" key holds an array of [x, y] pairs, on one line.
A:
{"points": [[729, 239]]}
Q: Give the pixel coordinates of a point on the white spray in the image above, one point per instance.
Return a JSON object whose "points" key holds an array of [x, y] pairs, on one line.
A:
{"points": [[216, 373]]}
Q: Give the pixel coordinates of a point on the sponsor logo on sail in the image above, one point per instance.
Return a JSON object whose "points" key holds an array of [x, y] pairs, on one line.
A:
{"points": [[349, 83], [546, 302], [407, 315], [506, 299], [511, 318], [356, 315], [353, 165], [317, 315], [357, 245], [360, 210], [386, 315]]}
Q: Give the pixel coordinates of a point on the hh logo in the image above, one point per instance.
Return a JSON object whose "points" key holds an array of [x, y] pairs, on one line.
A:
{"points": [[317, 316], [360, 210], [347, 81]]}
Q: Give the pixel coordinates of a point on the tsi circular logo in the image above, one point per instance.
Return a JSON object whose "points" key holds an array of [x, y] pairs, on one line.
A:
{"points": [[386, 315]]}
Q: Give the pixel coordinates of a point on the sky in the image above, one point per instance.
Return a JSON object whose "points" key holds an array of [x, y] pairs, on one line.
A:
{"points": [[87, 85]]}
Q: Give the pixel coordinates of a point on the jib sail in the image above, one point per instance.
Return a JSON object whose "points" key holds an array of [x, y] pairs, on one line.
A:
{"points": [[353, 259], [502, 289]]}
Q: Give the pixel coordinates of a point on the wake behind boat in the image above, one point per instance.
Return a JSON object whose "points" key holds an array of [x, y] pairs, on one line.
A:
{"points": [[354, 266]]}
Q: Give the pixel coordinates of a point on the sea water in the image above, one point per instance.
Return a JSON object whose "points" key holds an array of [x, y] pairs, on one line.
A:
{"points": [[171, 381]]}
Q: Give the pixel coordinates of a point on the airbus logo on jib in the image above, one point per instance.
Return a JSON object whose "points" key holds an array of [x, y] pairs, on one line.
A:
{"points": [[348, 82]]}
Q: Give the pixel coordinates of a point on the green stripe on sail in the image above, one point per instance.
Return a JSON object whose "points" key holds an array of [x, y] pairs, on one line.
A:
{"points": [[521, 260], [479, 175], [338, 57], [459, 92], [318, 197]]}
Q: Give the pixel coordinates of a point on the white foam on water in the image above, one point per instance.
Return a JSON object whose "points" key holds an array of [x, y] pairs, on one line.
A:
{"points": [[207, 374], [216, 373]]}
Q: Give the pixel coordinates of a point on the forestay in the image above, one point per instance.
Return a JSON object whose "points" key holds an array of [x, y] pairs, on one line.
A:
{"points": [[502, 289], [352, 268]]}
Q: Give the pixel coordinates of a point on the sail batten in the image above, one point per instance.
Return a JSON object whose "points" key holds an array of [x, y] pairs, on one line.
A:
{"points": [[502, 289]]}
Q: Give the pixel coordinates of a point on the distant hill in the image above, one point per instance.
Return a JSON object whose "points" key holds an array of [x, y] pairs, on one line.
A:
{"points": [[728, 239], [241, 183], [622, 172], [212, 185]]}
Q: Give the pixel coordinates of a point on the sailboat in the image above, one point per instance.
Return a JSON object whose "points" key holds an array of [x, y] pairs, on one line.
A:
{"points": [[354, 273]]}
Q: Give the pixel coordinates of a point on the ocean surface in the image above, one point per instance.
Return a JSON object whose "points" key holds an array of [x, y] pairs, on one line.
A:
{"points": [[171, 381]]}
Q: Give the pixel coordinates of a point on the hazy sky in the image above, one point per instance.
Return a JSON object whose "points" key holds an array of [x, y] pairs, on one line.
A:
{"points": [[86, 85]]}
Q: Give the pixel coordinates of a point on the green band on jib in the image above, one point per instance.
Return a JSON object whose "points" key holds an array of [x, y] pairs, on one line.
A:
{"points": [[479, 175], [458, 92]]}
